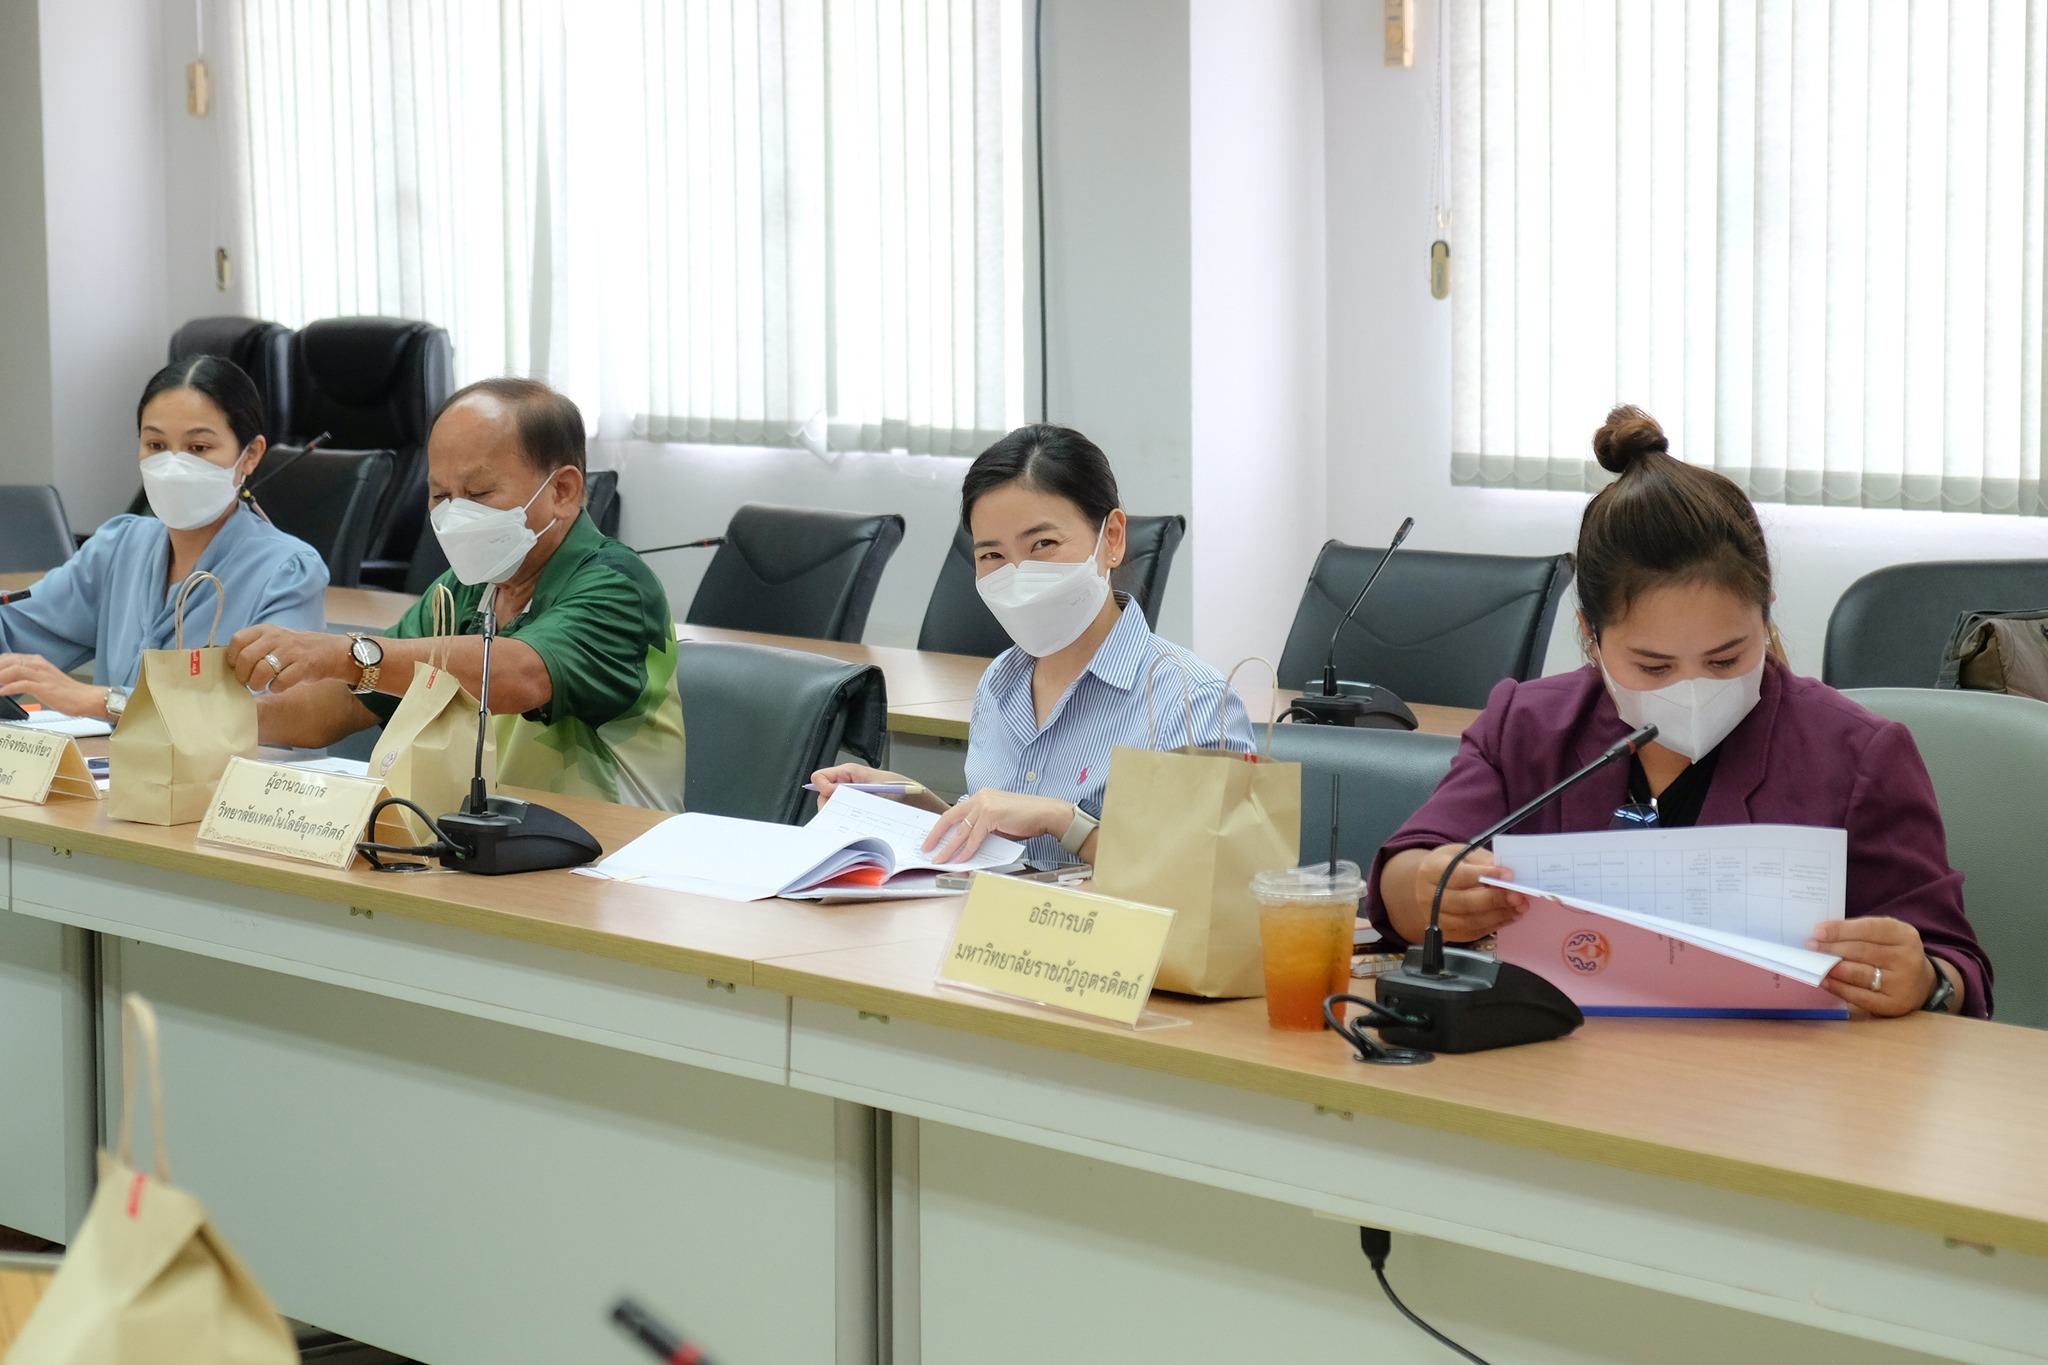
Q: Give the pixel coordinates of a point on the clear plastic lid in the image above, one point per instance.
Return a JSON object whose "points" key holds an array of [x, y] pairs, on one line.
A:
{"points": [[1311, 884]]}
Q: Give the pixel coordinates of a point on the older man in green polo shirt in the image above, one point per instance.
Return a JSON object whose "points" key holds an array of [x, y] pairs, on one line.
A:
{"points": [[583, 671]]}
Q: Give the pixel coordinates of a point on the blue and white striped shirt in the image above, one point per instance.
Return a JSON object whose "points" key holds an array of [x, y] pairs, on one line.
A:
{"points": [[1104, 708]]}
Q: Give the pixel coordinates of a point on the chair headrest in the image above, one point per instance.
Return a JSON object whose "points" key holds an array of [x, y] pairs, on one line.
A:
{"points": [[356, 360]]}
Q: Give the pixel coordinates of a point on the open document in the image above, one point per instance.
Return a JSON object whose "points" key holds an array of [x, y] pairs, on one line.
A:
{"points": [[859, 847], [1711, 920]]}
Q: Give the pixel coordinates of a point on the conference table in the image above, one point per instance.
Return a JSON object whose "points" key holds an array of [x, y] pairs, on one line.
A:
{"points": [[455, 1117]]}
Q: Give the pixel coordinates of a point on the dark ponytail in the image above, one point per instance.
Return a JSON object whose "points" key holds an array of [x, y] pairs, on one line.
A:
{"points": [[221, 380], [1662, 523], [1050, 459]]}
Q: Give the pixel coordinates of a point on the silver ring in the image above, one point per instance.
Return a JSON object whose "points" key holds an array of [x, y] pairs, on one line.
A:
{"points": [[275, 666], [1877, 979]]}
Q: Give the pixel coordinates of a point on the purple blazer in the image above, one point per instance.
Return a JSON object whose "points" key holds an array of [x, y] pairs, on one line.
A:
{"points": [[1806, 755]]}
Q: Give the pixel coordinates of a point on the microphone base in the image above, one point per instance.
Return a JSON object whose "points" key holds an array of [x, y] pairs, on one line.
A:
{"points": [[516, 836], [1479, 1003], [1363, 706]]}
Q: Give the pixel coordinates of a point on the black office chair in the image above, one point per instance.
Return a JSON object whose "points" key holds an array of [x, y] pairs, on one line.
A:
{"points": [[958, 622], [327, 499], [796, 571], [1384, 776], [1890, 628], [263, 351], [600, 499], [375, 384], [1438, 628], [761, 720], [35, 535]]}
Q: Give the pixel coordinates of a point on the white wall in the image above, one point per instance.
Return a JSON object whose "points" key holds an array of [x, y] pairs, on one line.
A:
{"points": [[1257, 338], [103, 187], [1389, 357]]}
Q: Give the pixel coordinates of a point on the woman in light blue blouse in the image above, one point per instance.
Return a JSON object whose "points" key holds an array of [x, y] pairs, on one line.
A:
{"points": [[200, 423], [1041, 505]]}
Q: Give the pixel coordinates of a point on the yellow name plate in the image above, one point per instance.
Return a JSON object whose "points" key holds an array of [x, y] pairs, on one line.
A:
{"points": [[36, 765], [288, 812], [1054, 946]]}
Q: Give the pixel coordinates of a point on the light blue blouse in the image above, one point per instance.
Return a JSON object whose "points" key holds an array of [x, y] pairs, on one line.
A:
{"points": [[110, 602], [1103, 709]]}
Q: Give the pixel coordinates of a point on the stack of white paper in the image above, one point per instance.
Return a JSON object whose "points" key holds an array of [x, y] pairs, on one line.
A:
{"points": [[750, 860], [1750, 892]]}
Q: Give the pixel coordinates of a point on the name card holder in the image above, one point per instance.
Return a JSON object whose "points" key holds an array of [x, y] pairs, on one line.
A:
{"points": [[1061, 948], [296, 813], [36, 765]]}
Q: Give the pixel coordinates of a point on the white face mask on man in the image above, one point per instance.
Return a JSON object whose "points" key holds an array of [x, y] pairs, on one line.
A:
{"points": [[186, 491], [1692, 716], [485, 544], [1045, 605]]}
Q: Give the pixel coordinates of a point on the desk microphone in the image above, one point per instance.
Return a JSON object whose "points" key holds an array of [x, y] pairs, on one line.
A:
{"points": [[703, 544], [662, 1342], [9, 598], [1459, 1000], [1357, 704], [494, 835]]}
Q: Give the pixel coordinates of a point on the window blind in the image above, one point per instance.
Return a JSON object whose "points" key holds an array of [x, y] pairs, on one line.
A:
{"points": [[760, 222], [1806, 235]]}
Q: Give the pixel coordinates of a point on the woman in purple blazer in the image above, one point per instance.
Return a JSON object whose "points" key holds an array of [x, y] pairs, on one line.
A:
{"points": [[1675, 592]]}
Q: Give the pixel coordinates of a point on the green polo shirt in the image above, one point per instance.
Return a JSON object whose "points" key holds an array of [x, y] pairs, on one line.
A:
{"points": [[600, 622]]}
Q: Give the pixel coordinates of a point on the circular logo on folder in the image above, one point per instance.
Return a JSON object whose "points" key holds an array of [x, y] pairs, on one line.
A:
{"points": [[1586, 952]]}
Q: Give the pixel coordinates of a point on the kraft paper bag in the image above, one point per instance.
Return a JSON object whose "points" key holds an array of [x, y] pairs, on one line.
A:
{"points": [[1187, 829], [427, 753], [147, 1280], [186, 718]]}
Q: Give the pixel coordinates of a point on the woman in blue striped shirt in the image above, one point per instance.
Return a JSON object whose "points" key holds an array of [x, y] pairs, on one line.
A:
{"points": [[1041, 505]]}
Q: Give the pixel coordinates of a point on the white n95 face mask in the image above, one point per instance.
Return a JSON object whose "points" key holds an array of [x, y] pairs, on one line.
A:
{"points": [[185, 491], [485, 544], [1691, 716], [1045, 606]]}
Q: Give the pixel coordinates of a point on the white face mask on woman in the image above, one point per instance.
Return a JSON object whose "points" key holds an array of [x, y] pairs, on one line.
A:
{"points": [[485, 544], [187, 492], [1692, 716], [1045, 605]]}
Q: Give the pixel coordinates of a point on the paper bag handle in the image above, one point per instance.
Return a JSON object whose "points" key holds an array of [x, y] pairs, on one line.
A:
{"points": [[444, 628], [1187, 697], [220, 603], [138, 1020], [1272, 701]]}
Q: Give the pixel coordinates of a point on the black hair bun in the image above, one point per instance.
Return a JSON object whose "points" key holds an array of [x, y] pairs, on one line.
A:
{"points": [[1628, 436]]}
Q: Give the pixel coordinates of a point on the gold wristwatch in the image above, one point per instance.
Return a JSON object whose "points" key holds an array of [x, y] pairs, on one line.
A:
{"points": [[369, 656]]}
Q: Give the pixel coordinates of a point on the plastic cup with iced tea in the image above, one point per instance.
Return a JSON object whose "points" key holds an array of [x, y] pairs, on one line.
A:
{"points": [[1306, 921]]}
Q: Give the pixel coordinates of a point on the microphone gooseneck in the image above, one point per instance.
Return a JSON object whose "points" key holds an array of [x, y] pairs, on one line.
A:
{"points": [[705, 544], [1433, 937], [1330, 659], [479, 802]]}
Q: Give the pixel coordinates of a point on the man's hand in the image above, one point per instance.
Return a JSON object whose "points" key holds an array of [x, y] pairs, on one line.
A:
{"points": [[272, 659]]}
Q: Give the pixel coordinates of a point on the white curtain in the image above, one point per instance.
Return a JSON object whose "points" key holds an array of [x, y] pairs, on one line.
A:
{"points": [[759, 222], [1806, 235]]}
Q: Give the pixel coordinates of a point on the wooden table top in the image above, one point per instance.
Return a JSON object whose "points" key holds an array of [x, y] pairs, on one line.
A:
{"points": [[915, 677], [20, 1292], [1925, 1122]]}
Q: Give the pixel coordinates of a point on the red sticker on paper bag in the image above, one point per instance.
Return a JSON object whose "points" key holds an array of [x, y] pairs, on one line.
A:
{"points": [[195, 663], [135, 1195]]}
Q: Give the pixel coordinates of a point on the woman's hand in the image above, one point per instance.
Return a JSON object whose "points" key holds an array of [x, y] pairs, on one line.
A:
{"points": [[50, 685], [1884, 969], [1470, 911], [960, 831], [825, 779], [270, 658]]}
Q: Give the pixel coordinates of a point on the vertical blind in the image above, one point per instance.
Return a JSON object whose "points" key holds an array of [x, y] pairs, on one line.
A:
{"points": [[1806, 235], [762, 222]]}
